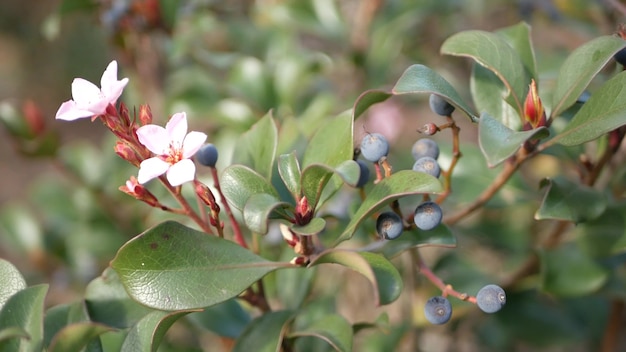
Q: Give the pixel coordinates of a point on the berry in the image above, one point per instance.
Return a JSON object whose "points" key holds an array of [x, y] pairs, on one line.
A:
{"points": [[425, 147], [620, 57], [207, 155], [427, 216], [440, 106], [364, 176], [374, 147], [491, 298], [438, 310], [427, 165], [389, 225]]}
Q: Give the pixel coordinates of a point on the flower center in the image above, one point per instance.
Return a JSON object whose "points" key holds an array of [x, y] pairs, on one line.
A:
{"points": [[174, 155]]}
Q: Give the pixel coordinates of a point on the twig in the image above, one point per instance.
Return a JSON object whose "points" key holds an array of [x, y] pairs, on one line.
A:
{"points": [[236, 229]]}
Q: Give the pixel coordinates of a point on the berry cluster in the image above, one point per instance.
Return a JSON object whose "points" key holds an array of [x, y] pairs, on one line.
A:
{"points": [[489, 299]]}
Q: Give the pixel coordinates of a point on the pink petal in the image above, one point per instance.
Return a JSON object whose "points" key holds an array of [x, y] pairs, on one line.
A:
{"points": [[177, 128], [155, 138], [85, 93], [193, 142], [181, 172], [68, 111], [151, 168]]}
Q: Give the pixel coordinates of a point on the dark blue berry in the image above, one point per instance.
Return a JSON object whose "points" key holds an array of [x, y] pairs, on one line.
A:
{"points": [[491, 298], [440, 106], [427, 165], [374, 147], [438, 310], [620, 57], [207, 155], [389, 225], [364, 176], [425, 147], [428, 215]]}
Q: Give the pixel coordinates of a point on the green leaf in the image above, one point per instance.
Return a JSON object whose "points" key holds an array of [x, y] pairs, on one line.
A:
{"points": [[13, 332], [605, 235], [378, 270], [332, 144], [566, 271], [316, 176], [603, 112], [147, 334], [239, 183], [173, 267], [569, 201], [257, 147], [440, 236], [107, 291], [226, 319], [293, 285], [498, 142], [315, 226], [519, 38], [367, 99], [11, 281], [494, 53], [265, 333], [398, 185], [258, 209], [580, 67], [488, 93], [24, 310], [75, 337], [332, 328], [289, 170]]}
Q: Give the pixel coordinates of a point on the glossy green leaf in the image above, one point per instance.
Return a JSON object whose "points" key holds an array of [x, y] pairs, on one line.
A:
{"points": [[60, 316], [257, 211], [108, 302], [315, 226], [289, 170], [13, 332], [605, 235], [603, 112], [367, 99], [332, 144], [226, 319], [498, 142], [239, 183], [24, 310], [580, 67], [257, 147], [400, 184], [494, 53], [566, 271], [569, 201], [440, 236], [519, 38], [265, 333], [75, 337], [11, 281], [332, 328], [173, 267], [488, 93], [378, 270], [146, 335], [293, 285], [317, 176]]}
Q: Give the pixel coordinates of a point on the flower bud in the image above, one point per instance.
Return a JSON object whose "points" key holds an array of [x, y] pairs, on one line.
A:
{"points": [[429, 129], [534, 113], [34, 117], [126, 152], [303, 212], [133, 188], [145, 115]]}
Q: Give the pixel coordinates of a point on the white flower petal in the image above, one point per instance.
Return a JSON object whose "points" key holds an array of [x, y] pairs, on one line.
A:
{"points": [[69, 111], [110, 75], [155, 138], [177, 128], [151, 168], [193, 142], [181, 172], [85, 93], [113, 92]]}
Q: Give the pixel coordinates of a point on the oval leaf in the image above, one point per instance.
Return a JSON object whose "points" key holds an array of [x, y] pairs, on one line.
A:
{"points": [[498, 142], [146, 335], [332, 144], [315, 226], [488, 93], [289, 170], [580, 67], [257, 147], [378, 270], [173, 267], [605, 235], [258, 209], [494, 53], [519, 38], [11, 281], [565, 200], [332, 328], [316, 176], [226, 319], [603, 112], [24, 310], [398, 185], [239, 183], [265, 333], [75, 337], [13, 332], [566, 271]]}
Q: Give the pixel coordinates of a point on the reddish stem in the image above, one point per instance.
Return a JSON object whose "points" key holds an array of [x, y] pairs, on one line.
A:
{"points": [[238, 237]]}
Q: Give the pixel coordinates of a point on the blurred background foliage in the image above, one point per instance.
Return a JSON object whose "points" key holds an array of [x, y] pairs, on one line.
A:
{"points": [[226, 63]]}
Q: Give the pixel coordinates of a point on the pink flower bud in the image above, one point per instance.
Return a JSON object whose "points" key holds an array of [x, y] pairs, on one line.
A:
{"points": [[145, 115], [534, 113], [133, 188], [303, 211], [126, 152]]}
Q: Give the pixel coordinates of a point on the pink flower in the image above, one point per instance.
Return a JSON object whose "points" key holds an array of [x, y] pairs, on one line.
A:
{"points": [[173, 147], [89, 100]]}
